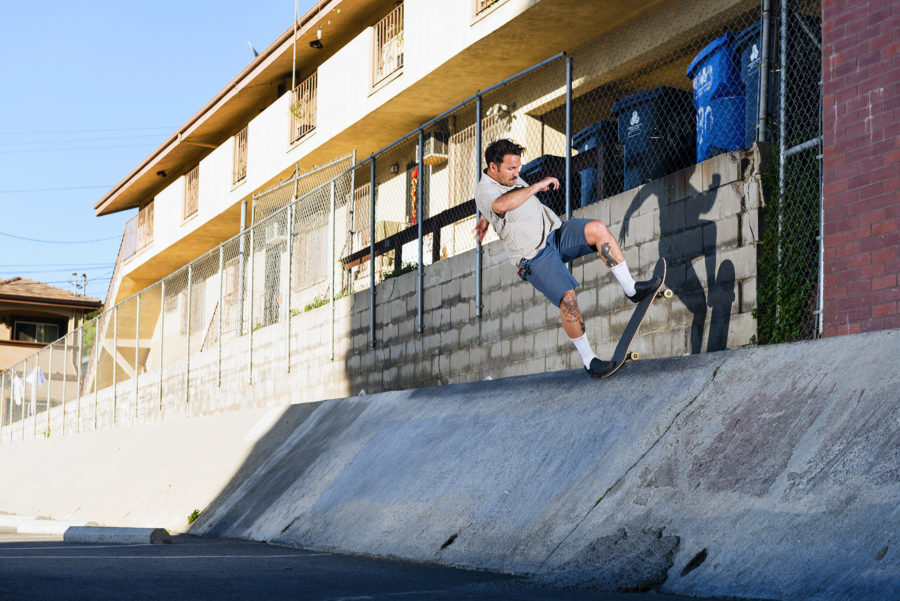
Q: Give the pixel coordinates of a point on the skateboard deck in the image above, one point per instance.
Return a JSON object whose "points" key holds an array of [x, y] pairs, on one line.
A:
{"points": [[623, 348]]}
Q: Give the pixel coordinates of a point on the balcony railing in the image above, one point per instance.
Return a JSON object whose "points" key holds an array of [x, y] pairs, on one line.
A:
{"points": [[303, 108], [138, 232], [480, 6], [388, 50]]}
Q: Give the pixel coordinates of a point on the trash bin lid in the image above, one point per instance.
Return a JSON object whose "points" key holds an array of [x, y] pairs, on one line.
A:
{"points": [[716, 44], [624, 104], [600, 128], [748, 36]]}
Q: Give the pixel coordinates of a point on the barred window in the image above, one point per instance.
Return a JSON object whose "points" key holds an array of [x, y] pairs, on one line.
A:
{"points": [[239, 167], [482, 6], [191, 192], [388, 51]]}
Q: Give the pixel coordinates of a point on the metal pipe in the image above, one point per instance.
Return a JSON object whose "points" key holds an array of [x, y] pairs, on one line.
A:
{"points": [[814, 143], [115, 363], [479, 251], [65, 381], [821, 302], [78, 375], [288, 282], [420, 271], [242, 260], [49, 386], [782, 61], [162, 338], [250, 316], [137, 354], [568, 182], [331, 262], [219, 317], [187, 338], [372, 252], [351, 217], [763, 100]]}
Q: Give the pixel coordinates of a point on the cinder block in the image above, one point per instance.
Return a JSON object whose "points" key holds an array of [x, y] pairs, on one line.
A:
{"points": [[449, 339], [544, 342], [460, 313], [741, 329], [522, 345], [744, 260], [535, 317], [750, 228], [728, 230], [459, 361], [747, 295]]}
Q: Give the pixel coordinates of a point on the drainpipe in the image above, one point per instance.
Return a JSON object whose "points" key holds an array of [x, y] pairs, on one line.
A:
{"points": [[762, 115]]}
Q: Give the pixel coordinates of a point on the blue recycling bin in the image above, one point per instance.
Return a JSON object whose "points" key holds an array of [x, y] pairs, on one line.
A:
{"points": [[718, 98], [657, 128], [549, 165], [599, 162]]}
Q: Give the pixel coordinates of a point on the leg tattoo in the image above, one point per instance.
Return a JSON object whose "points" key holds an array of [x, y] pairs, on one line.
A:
{"points": [[571, 316], [606, 256]]}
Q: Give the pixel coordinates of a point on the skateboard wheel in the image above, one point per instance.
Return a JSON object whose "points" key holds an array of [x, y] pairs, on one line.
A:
{"points": [[667, 293], [634, 355]]}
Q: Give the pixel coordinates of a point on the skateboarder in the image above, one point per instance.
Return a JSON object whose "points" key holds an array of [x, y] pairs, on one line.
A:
{"points": [[540, 245]]}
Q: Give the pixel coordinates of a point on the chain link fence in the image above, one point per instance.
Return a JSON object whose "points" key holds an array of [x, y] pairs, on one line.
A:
{"points": [[670, 90]]}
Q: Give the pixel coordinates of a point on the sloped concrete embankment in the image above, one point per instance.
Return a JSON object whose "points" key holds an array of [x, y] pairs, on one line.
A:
{"points": [[769, 472]]}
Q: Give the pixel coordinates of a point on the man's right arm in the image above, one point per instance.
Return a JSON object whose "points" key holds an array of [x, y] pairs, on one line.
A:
{"points": [[517, 197]]}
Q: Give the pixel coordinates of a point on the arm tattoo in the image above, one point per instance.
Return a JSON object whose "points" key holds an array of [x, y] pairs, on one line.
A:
{"points": [[606, 256]]}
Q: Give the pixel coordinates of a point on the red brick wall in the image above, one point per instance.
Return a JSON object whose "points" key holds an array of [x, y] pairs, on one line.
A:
{"points": [[861, 127]]}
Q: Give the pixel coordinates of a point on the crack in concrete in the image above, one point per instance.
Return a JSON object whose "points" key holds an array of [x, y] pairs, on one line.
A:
{"points": [[630, 468]]}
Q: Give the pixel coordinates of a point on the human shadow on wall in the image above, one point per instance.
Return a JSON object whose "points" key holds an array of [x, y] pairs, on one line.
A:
{"points": [[684, 236]]}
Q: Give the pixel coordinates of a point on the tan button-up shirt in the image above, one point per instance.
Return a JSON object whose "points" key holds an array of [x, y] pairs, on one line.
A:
{"points": [[524, 230]]}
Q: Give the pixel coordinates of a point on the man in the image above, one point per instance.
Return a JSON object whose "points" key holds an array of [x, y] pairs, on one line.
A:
{"points": [[540, 245]]}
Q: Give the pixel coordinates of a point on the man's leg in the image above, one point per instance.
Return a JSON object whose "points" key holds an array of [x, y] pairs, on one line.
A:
{"points": [[573, 324], [598, 236]]}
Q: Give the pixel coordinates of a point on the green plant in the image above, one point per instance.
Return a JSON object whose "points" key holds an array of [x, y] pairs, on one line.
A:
{"points": [[786, 254], [193, 517], [399, 270]]}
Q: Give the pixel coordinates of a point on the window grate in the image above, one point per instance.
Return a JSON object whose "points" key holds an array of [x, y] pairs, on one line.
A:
{"points": [[303, 108], [239, 168], [388, 50]]}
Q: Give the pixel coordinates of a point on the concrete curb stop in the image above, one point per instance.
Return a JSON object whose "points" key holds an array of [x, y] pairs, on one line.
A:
{"points": [[123, 536]]}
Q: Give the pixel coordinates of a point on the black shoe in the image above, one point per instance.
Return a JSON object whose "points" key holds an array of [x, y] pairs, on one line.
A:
{"points": [[599, 368], [643, 289]]}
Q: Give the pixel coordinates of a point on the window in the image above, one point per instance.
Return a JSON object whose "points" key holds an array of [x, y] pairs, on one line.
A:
{"points": [[239, 166], [388, 51], [191, 191], [35, 331], [482, 6], [303, 108]]}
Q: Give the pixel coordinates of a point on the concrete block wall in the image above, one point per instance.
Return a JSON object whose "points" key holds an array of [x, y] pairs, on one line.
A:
{"points": [[861, 174]]}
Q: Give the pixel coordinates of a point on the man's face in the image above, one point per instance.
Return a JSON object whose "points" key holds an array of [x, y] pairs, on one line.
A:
{"points": [[507, 172]]}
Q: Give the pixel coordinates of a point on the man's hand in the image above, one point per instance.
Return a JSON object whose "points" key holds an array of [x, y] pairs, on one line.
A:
{"points": [[548, 183], [481, 230]]}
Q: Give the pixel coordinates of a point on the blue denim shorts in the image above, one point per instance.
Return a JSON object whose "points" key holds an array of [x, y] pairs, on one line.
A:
{"points": [[547, 271]]}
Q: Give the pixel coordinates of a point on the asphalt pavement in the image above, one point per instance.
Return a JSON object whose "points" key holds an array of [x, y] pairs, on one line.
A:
{"points": [[42, 567]]}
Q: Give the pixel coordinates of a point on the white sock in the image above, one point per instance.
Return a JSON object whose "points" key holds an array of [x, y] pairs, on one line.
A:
{"points": [[584, 349], [624, 276]]}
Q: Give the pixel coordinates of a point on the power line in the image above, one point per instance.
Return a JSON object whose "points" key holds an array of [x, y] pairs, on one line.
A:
{"points": [[59, 241], [78, 131], [73, 140], [144, 145], [26, 190], [16, 265]]}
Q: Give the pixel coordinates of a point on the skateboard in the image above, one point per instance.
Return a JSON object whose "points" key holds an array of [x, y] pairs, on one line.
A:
{"points": [[623, 352]]}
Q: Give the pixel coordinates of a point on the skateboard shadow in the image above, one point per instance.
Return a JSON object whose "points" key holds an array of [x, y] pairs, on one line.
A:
{"points": [[684, 237]]}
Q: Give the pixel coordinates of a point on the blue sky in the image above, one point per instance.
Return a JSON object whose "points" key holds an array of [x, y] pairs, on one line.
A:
{"points": [[89, 90]]}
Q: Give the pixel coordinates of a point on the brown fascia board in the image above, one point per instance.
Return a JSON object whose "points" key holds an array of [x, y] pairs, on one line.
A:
{"points": [[50, 302], [128, 193]]}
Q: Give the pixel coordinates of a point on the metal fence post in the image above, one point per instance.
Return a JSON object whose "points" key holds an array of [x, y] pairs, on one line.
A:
{"points": [[479, 250], [331, 241], [78, 375], [187, 339], [250, 316], [65, 394], [219, 318], [49, 385], [763, 108], [162, 339], [137, 354], [97, 347], [350, 220], [288, 282], [372, 252], [568, 182], [420, 272], [115, 360], [242, 260], [2, 407]]}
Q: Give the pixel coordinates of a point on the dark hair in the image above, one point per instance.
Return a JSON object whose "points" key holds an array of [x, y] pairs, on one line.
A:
{"points": [[495, 152]]}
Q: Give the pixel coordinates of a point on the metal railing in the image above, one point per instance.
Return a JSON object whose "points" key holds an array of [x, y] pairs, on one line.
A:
{"points": [[605, 118], [239, 157], [387, 53], [303, 108]]}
